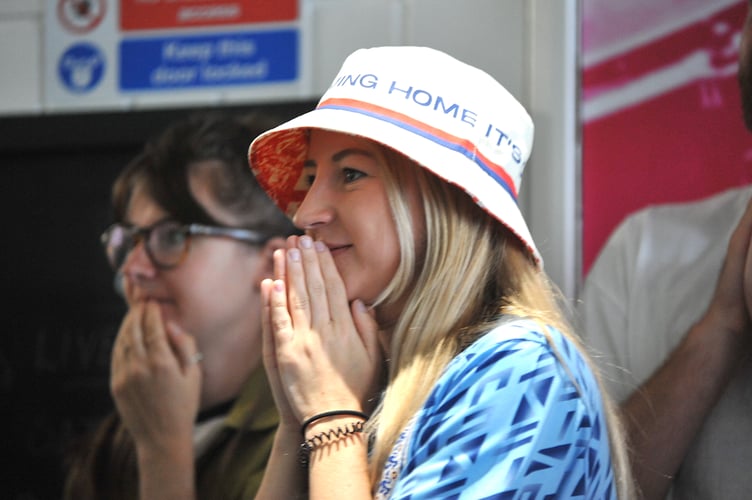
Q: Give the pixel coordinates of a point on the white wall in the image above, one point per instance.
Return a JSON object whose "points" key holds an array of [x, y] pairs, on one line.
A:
{"points": [[20, 56], [528, 45], [551, 197]]}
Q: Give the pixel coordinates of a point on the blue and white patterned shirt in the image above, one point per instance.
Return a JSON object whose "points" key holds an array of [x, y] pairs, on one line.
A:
{"points": [[506, 421]]}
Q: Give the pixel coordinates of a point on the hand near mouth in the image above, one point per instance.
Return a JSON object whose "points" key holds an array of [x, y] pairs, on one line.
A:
{"points": [[322, 352], [156, 385]]}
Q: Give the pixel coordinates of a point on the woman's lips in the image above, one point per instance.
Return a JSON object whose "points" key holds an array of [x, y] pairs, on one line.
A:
{"points": [[150, 298], [338, 249]]}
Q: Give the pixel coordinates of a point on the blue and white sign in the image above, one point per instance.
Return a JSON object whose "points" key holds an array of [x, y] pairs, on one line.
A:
{"points": [[197, 61], [140, 54], [80, 67]]}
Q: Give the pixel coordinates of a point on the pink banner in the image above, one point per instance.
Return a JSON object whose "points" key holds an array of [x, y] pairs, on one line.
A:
{"points": [[661, 108]]}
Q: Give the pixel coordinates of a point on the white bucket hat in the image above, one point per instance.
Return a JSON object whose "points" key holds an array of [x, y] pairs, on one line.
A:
{"points": [[451, 118]]}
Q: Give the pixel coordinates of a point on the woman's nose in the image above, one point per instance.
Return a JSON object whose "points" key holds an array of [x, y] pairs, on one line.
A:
{"points": [[316, 209], [138, 263]]}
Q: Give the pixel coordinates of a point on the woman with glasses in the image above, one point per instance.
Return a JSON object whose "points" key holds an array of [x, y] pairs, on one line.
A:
{"points": [[193, 238]]}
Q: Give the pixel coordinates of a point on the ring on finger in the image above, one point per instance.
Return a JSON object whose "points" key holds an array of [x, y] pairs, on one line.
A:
{"points": [[196, 358]]}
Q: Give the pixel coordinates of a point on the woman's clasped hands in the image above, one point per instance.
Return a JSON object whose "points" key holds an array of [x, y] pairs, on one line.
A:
{"points": [[321, 352]]}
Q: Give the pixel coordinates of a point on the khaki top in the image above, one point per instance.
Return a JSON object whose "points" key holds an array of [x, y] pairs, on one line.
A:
{"points": [[233, 466], [230, 467]]}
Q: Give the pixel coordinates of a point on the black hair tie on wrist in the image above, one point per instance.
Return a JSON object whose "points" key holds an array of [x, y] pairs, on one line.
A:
{"points": [[332, 413], [327, 437]]}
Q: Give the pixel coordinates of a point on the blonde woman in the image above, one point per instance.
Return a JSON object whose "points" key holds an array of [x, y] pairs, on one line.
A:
{"points": [[413, 343]]}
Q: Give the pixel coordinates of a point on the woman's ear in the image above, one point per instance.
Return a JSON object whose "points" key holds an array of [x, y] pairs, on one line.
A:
{"points": [[266, 266]]}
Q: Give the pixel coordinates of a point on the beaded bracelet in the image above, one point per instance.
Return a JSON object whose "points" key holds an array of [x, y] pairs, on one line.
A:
{"points": [[326, 437], [332, 413]]}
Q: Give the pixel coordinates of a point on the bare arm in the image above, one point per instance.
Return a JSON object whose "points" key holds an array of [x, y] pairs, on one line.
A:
{"points": [[284, 477], [166, 470], [156, 391], [664, 415], [337, 468]]}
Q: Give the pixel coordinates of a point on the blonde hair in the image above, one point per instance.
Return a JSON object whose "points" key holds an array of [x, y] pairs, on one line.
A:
{"points": [[491, 274]]}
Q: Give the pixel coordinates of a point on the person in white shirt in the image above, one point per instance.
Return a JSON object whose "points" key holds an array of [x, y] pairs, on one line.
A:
{"points": [[664, 310]]}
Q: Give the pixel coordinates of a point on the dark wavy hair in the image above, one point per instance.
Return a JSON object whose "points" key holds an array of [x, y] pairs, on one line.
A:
{"points": [[103, 464], [218, 143]]}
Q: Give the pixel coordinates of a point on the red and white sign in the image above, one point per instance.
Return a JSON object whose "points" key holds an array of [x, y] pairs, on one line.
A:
{"points": [[81, 16], [165, 14]]}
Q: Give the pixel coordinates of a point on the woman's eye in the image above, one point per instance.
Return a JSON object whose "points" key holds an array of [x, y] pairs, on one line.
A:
{"points": [[173, 237], [309, 179], [352, 175]]}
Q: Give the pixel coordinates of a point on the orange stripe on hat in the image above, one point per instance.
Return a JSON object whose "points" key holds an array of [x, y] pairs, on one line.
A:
{"points": [[438, 136]]}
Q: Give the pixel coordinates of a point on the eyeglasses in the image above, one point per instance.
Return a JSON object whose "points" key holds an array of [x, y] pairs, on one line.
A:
{"points": [[167, 241]]}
